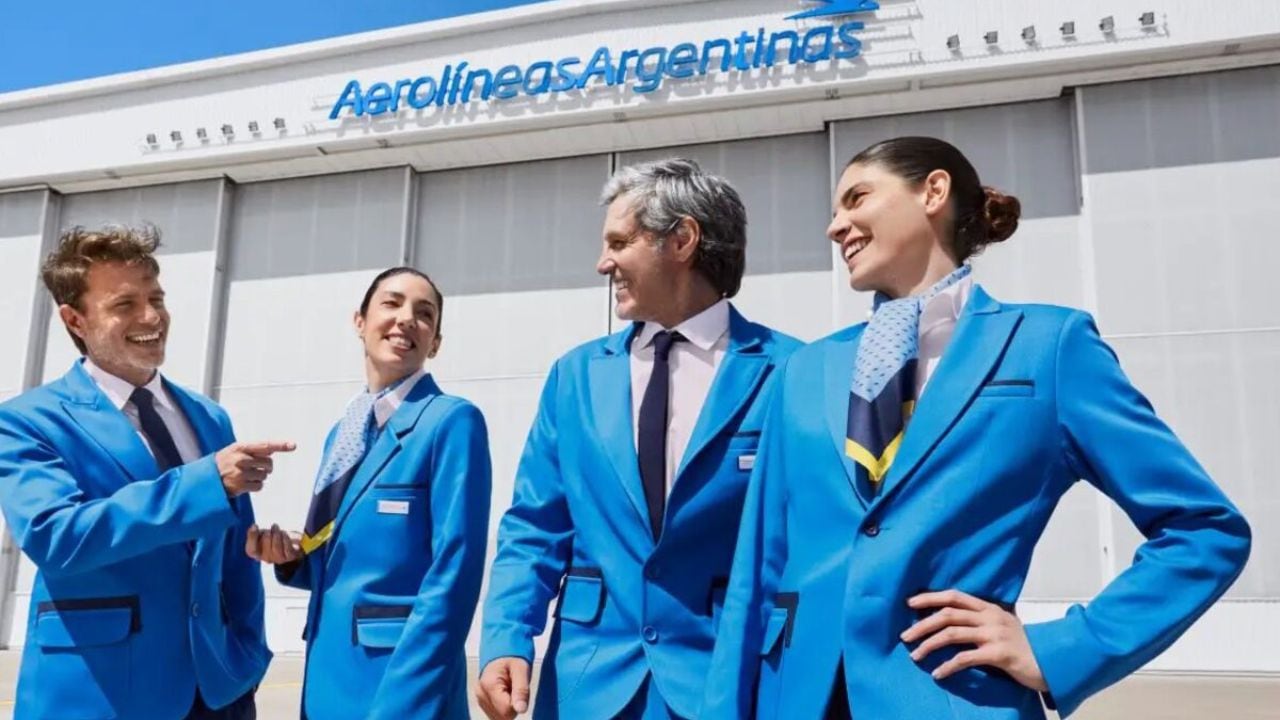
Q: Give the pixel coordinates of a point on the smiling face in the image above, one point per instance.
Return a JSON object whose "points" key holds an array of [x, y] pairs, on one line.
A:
{"points": [[121, 319], [643, 269], [888, 231], [400, 327]]}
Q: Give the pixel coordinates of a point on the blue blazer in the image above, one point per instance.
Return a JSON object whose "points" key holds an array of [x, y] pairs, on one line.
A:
{"points": [[578, 527], [144, 591], [394, 589], [1026, 399]]}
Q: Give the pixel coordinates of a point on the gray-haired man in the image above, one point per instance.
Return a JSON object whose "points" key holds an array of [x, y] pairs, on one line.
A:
{"points": [[630, 489]]}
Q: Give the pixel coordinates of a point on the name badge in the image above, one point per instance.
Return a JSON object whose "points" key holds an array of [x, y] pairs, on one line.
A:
{"points": [[746, 462], [393, 507]]}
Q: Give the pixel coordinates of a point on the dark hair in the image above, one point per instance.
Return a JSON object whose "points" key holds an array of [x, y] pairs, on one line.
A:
{"points": [[664, 192], [982, 215], [66, 270], [403, 270]]}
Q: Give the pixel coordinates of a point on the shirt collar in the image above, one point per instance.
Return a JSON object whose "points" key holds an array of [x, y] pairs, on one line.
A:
{"points": [[386, 406], [702, 330], [946, 306], [118, 390]]}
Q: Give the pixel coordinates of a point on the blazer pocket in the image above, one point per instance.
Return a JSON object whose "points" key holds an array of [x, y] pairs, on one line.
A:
{"points": [[715, 594], [378, 626], [399, 486], [84, 652], [87, 622], [1008, 388], [781, 621], [582, 595], [774, 630]]}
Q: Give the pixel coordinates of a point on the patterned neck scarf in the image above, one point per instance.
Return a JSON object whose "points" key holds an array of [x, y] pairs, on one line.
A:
{"points": [[882, 395]]}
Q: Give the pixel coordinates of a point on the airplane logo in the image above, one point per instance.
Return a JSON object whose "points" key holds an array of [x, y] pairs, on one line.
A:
{"points": [[835, 8]]}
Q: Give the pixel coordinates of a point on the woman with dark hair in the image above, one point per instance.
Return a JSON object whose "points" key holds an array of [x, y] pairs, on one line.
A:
{"points": [[394, 542], [910, 464]]}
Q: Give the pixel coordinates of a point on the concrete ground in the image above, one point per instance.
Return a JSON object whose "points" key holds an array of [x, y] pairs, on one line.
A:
{"points": [[1142, 697]]}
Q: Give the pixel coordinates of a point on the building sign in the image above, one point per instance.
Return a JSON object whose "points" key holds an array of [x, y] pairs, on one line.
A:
{"points": [[644, 71]]}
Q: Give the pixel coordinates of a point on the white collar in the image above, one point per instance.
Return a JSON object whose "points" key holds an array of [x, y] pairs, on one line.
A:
{"points": [[702, 330], [946, 306], [386, 406], [118, 390]]}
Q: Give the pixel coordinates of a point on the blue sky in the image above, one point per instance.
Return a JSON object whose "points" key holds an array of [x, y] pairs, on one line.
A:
{"points": [[43, 43]]}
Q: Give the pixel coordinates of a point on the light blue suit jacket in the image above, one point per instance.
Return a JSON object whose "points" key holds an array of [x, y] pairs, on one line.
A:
{"points": [[1026, 400], [578, 527], [126, 618], [395, 588]]}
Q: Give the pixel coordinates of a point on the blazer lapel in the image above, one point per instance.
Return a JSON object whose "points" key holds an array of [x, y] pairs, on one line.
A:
{"points": [[385, 447], [838, 379], [741, 371], [208, 434], [981, 335], [107, 426], [609, 378]]}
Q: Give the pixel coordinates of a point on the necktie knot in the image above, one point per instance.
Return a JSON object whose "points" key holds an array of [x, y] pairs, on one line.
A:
{"points": [[662, 343], [154, 429], [142, 399]]}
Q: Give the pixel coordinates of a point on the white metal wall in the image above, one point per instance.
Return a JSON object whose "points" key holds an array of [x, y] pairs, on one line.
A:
{"points": [[1180, 179], [23, 217], [1145, 203]]}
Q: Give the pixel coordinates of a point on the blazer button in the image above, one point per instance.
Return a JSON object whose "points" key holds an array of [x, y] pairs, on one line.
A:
{"points": [[650, 634], [871, 530], [195, 609], [652, 572]]}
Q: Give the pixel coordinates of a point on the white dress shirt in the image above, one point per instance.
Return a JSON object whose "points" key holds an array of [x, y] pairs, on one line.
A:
{"points": [[386, 406], [693, 366], [118, 391], [938, 320]]}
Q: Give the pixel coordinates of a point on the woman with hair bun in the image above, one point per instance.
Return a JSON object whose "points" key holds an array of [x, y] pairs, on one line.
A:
{"points": [[910, 464], [392, 549]]}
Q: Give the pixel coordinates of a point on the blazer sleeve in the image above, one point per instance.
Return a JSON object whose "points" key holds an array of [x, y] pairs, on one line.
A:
{"points": [[758, 561], [422, 671], [64, 531], [1197, 542], [242, 589], [535, 538]]}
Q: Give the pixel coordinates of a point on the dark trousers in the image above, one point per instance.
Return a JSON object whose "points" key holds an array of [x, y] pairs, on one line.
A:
{"points": [[838, 705], [243, 708]]}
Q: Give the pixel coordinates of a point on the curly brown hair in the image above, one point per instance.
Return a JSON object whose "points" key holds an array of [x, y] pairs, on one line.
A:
{"points": [[66, 270]]}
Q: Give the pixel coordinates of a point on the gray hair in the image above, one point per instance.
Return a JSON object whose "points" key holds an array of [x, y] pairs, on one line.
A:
{"points": [[664, 192]]}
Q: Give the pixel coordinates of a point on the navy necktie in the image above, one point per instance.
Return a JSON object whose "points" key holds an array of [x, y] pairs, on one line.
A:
{"points": [[162, 445], [651, 438]]}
